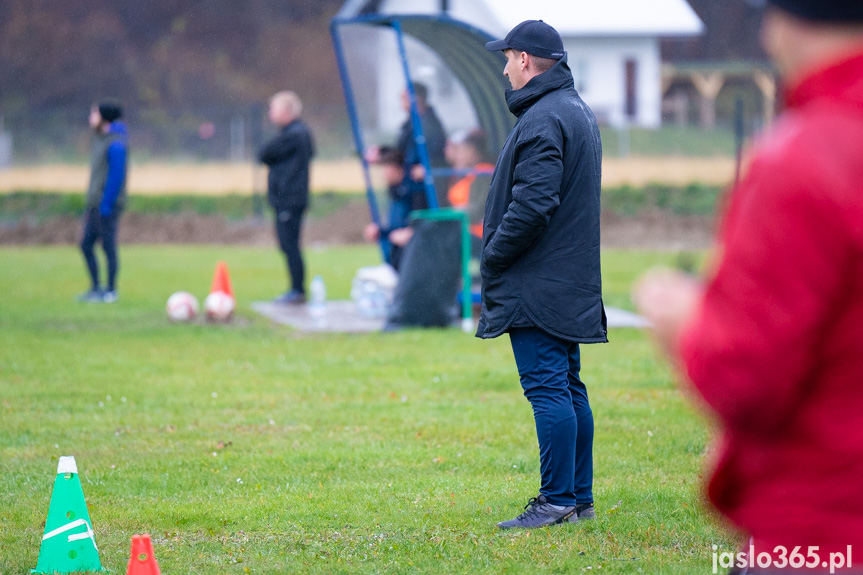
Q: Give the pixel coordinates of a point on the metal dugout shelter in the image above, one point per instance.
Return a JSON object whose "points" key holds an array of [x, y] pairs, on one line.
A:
{"points": [[460, 47]]}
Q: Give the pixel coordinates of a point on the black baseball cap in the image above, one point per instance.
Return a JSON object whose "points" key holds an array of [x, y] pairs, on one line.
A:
{"points": [[534, 37], [827, 11]]}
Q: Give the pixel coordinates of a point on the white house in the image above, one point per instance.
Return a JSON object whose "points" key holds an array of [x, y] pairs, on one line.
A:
{"points": [[613, 48]]}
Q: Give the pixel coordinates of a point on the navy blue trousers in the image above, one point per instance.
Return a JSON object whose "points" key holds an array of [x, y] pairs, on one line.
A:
{"points": [[548, 367], [98, 227]]}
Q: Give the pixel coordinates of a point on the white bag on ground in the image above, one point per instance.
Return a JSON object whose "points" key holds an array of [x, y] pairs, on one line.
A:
{"points": [[372, 290]]}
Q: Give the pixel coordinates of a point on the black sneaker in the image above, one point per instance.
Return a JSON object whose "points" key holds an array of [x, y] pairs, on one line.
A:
{"points": [[539, 513], [291, 298], [583, 512]]}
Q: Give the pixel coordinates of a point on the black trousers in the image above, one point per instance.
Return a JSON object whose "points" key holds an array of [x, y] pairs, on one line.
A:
{"points": [[96, 228], [289, 225]]}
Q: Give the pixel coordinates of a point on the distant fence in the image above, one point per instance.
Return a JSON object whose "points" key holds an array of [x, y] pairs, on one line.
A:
{"points": [[191, 135], [188, 134]]}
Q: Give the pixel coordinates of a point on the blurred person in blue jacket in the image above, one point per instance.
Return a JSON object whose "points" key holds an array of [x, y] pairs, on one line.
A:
{"points": [[106, 196], [402, 202]]}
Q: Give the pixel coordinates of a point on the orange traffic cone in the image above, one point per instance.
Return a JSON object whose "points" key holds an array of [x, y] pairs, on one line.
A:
{"points": [[222, 280], [142, 561]]}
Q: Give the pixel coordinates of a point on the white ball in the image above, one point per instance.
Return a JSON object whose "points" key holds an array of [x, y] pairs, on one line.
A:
{"points": [[219, 306], [182, 306]]}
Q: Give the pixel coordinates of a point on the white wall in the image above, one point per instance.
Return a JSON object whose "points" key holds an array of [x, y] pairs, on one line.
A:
{"points": [[598, 66], [599, 36]]}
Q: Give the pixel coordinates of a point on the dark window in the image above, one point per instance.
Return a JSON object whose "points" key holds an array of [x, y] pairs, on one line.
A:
{"points": [[631, 87]]}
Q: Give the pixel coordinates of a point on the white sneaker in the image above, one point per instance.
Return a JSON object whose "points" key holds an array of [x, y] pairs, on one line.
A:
{"points": [[92, 296]]}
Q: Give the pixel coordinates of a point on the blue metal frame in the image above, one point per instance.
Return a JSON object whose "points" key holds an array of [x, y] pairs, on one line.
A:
{"points": [[358, 134], [384, 19], [394, 22], [416, 123]]}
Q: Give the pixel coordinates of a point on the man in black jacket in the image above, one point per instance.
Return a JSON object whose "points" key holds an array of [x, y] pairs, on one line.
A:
{"points": [[288, 156], [435, 140], [540, 267]]}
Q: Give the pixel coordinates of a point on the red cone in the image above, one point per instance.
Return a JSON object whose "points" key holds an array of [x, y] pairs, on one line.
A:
{"points": [[222, 280], [142, 561]]}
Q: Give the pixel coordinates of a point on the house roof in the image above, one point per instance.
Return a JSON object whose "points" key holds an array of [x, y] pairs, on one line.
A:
{"points": [[570, 18]]}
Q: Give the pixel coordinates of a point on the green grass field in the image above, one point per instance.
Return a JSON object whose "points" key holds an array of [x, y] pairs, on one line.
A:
{"points": [[249, 448]]}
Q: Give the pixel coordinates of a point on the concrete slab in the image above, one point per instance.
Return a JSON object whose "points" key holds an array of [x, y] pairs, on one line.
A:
{"points": [[343, 317], [621, 318]]}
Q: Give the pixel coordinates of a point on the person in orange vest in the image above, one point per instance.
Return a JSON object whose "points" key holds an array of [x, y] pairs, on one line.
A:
{"points": [[469, 157]]}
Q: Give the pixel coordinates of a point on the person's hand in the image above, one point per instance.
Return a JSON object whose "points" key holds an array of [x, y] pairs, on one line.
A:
{"points": [[668, 299], [486, 270], [372, 232], [401, 236], [372, 154], [418, 172]]}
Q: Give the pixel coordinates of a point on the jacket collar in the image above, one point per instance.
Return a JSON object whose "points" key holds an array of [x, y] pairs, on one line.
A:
{"points": [[117, 127], [841, 80], [289, 124], [557, 77]]}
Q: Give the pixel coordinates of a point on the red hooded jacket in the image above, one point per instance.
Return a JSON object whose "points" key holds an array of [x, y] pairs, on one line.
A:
{"points": [[776, 347]]}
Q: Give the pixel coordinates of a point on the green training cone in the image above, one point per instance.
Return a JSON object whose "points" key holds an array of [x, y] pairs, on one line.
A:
{"points": [[69, 545]]}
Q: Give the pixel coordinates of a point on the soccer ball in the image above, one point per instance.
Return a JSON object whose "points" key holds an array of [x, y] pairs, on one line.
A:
{"points": [[219, 306], [182, 306]]}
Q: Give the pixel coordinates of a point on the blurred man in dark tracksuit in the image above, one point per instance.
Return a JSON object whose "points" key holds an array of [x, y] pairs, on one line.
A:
{"points": [[289, 156]]}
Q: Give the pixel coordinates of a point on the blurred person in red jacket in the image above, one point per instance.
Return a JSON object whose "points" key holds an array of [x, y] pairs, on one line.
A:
{"points": [[773, 340]]}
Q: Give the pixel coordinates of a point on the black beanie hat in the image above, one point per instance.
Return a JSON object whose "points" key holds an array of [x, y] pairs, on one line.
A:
{"points": [[110, 110], [827, 11]]}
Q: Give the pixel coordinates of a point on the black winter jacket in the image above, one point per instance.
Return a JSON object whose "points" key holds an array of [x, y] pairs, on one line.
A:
{"points": [[288, 155], [435, 137], [540, 260]]}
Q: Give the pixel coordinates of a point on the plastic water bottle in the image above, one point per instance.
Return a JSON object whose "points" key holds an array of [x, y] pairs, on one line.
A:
{"points": [[318, 302], [372, 302]]}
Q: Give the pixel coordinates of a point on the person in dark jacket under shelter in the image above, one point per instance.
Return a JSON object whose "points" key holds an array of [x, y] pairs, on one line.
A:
{"points": [[289, 156], [540, 265], [398, 232], [434, 136]]}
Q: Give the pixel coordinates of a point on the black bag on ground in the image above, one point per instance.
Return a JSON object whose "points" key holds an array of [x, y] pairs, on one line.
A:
{"points": [[429, 276]]}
